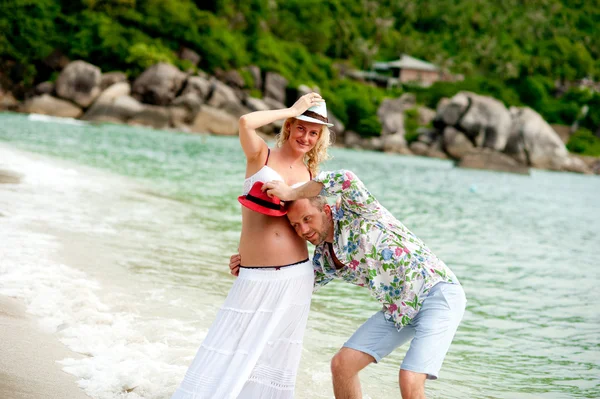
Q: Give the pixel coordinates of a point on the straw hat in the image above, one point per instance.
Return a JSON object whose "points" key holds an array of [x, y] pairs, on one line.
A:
{"points": [[316, 114]]}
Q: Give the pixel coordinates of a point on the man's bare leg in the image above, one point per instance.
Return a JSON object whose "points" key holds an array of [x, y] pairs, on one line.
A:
{"points": [[412, 385], [345, 366]]}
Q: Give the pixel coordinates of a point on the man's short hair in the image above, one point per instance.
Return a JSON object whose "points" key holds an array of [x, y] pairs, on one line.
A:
{"points": [[318, 202]]}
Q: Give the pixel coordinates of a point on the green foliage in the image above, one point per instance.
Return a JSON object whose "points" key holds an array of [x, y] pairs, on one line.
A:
{"points": [[411, 124], [585, 143], [356, 105], [511, 50]]}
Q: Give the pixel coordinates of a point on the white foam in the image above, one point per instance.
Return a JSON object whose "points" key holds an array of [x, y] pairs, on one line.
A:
{"points": [[127, 353]]}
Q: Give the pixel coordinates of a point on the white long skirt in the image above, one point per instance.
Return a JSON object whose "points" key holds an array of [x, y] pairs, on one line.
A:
{"points": [[253, 348]]}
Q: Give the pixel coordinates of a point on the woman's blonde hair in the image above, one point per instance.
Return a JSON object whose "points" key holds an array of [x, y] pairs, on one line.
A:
{"points": [[314, 157]]}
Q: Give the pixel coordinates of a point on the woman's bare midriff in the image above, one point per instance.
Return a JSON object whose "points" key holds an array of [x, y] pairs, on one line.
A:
{"points": [[269, 241]]}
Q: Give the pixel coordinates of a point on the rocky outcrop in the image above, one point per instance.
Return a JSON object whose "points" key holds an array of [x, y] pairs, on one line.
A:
{"points": [[79, 82], [159, 84], [216, 121], [275, 86], [484, 120], [533, 141], [110, 78], [486, 158], [114, 105], [455, 143], [48, 105], [391, 116], [153, 116]]}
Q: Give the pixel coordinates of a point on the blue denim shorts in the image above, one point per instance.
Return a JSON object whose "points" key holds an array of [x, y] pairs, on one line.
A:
{"points": [[431, 331]]}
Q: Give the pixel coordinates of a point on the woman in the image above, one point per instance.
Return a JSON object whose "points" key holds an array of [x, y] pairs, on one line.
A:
{"points": [[253, 348]]}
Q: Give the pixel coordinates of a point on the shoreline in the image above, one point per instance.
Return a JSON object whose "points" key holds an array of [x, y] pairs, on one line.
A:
{"points": [[28, 358]]}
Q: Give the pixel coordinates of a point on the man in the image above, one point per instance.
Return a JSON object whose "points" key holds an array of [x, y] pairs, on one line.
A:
{"points": [[359, 241]]}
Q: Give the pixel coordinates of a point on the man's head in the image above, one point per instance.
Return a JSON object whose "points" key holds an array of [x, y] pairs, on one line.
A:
{"points": [[311, 218]]}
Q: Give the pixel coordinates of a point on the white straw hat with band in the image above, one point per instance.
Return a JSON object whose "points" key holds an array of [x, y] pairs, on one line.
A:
{"points": [[316, 114]]}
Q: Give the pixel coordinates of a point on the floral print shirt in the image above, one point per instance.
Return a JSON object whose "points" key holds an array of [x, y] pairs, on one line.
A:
{"points": [[377, 250]]}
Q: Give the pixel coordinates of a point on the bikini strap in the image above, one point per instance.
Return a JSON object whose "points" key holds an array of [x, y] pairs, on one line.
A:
{"points": [[310, 174], [268, 154]]}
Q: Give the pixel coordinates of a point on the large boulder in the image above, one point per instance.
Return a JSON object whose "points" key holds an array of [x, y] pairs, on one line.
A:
{"points": [[483, 119], [44, 88], [159, 84], [79, 82], [426, 115], [395, 143], [455, 143], [117, 110], [106, 108], [110, 78], [48, 105], [216, 121], [153, 116], [275, 86], [8, 101], [486, 158], [221, 94], [391, 116], [419, 148], [199, 86], [533, 141]]}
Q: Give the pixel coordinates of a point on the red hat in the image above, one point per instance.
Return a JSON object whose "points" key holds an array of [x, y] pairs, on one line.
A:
{"points": [[260, 202]]}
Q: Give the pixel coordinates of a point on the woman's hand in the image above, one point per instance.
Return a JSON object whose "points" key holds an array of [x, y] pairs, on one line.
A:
{"points": [[234, 264], [279, 189], [305, 102]]}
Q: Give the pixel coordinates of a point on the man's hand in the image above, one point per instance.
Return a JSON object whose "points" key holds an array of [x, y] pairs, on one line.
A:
{"points": [[279, 189], [234, 264]]}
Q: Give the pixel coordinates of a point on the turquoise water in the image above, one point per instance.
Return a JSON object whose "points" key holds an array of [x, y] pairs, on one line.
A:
{"points": [[524, 247]]}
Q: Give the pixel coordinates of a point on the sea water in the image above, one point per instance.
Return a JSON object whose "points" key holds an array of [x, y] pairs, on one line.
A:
{"points": [[118, 239]]}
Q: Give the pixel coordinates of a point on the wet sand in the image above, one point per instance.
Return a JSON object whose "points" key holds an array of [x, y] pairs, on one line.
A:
{"points": [[28, 356]]}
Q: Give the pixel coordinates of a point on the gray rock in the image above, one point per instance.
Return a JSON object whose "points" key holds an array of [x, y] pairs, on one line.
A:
{"points": [[44, 88], [216, 121], [352, 139], [484, 119], [48, 105], [153, 116], [191, 101], [395, 143], [104, 109], [275, 86], [180, 117], [486, 158], [373, 144], [159, 84], [419, 148], [533, 141], [110, 78], [199, 86], [232, 78], [256, 104], [455, 143], [117, 110], [8, 101], [187, 54], [221, 95], [273, 104], [426, 115], [79, 82]]}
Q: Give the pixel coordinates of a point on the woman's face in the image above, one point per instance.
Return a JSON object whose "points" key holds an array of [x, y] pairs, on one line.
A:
{"points": [[304, 135]]}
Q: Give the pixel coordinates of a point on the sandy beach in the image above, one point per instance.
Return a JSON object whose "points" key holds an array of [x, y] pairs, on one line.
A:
{"points": [[28, 356]]}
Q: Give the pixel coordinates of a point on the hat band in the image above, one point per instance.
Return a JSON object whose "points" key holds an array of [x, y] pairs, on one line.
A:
{"points": [[262, 202], [314, 115]]}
